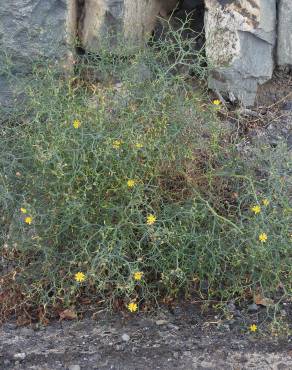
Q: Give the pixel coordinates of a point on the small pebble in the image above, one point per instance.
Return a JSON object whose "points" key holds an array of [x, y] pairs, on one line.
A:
{"points": [[253, 307], [125, 337], [231, 307], [19, 356], [161, 322], [74, 367], [225, 327], [26, 331], [173, 327]]}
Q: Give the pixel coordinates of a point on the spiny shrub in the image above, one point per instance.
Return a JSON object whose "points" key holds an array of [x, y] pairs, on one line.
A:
{"points": [[131, 190]]}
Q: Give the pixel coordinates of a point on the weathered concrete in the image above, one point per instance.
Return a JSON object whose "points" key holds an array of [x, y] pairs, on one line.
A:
{"points": [[284, 50], [241, 37]]}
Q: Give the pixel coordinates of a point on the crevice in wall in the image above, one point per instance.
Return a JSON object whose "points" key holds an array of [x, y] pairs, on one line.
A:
{"points": [[188, 12], [176, 14], [79, 24], [172, 12], [275, 51]]}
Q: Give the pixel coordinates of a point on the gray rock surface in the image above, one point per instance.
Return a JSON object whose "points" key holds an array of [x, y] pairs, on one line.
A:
{"points": [[30, 30], [241, 37], [284, 49], [108, 23]]}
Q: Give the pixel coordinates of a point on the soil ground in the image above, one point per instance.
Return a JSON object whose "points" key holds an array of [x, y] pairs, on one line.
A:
{"points": [[169, 340]]}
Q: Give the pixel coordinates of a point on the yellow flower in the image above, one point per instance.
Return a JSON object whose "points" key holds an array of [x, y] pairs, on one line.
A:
{"points": [[80, 277], [253, 328], [263, 237], [151, 219], [76, 123], [256, 209], [216, 102], [266, 202], [132, 307], [131, 183], [23, 210], [139, 145], [138, 275], [28, 220], [117, 144]]}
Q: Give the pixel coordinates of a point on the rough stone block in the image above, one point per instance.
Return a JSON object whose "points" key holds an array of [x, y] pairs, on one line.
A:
{"points": [[241, 37], [114, 21], [30, 30], [284, 50]]}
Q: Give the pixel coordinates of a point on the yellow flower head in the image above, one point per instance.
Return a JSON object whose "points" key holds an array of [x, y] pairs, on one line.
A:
{"points": [[80, 277], [23, 210], [28, 220], [263, 237], [139, 145], [117, 144], [131, 183], [138, 275], [216, 102], [132, 307], [256, 209], [76, 123], [151, 219], [253, 328], [266, 202]]}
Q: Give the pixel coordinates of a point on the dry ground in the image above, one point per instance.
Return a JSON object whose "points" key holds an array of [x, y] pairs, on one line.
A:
{"points": [[177, 340]]}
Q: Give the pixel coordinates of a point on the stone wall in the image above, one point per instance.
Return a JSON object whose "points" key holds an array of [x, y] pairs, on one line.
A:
{"points": [[115, 20], [240, 42], [30, 30], [245, 39], [284, 49]]}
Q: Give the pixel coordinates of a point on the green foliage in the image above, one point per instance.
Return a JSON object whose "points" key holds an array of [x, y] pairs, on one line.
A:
{"points": [[144, 123]]}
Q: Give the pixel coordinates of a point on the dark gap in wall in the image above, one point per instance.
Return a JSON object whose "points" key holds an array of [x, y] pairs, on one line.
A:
{"points": [[186, 17], [174, 14], [188, 12], [277, 28], [80, 15]]}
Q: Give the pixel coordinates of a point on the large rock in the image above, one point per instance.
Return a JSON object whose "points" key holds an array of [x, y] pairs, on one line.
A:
{"points": [[241, 37], [284, 50], [30, 30], [112, 22]]}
